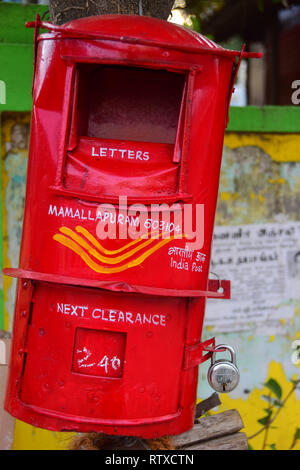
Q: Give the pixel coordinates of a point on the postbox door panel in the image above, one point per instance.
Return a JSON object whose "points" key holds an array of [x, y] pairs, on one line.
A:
{"points": [[107, 167], [103, 355]]}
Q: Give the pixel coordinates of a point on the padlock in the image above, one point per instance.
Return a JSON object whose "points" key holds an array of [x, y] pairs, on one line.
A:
{"points": [[223, 374]]}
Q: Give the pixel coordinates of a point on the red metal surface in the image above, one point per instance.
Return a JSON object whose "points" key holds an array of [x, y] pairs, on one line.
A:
{"points": [[234, 77], [212, 292], [107, 333], [145, 31]]}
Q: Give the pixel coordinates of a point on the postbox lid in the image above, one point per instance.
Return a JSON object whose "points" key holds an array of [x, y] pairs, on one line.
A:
{"points": [[142, 30]]}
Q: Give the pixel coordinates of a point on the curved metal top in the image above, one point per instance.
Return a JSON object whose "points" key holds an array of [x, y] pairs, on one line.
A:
{"points": [[142, 30], [141, 27]]}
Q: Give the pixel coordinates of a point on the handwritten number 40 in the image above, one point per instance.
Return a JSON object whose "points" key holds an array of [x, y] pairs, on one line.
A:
{"points": [[115, 363], [105, 362]]}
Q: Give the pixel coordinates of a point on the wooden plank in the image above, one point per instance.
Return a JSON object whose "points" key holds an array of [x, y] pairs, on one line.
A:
{"points": [[211, 427], [236, 441], [208, 404]]}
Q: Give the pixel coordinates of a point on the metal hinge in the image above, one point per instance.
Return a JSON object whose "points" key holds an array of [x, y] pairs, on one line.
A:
{"points": [[197, 353]]}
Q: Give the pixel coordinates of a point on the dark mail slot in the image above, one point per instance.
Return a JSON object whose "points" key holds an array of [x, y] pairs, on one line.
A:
{"points": [[123, 131], [132, 104]]}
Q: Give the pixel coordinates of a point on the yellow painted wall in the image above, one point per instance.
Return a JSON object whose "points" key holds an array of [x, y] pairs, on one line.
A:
{"points": [[251, 410], [280, 148]]}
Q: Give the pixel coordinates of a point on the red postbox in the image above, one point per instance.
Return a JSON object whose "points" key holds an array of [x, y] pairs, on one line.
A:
{"points": [[109, 310]]}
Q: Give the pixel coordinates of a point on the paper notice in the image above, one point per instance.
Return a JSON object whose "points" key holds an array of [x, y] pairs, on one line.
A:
{"points": [[263, 264]]}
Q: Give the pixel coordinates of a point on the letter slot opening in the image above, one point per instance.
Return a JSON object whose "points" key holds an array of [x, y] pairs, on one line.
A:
{"points": [[126, 124], [127, 103]]}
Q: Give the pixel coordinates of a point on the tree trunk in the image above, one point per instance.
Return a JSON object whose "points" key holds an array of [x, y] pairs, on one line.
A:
{"points": [[62, 11]]}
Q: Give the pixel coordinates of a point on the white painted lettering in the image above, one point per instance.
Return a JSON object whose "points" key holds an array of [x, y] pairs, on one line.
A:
{"points": [[122, 152], [60, 308], [119, 153], [129, 317], [67, 309], [112, 315], [95, 313], [52, 210], [112, 151], [94, 154]]}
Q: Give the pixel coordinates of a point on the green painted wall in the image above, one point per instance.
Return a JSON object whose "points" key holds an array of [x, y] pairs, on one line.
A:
{"points": [[16, 72], [16, 53], [266, 119]]}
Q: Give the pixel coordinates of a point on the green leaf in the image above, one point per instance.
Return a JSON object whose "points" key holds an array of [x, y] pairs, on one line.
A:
{"points": [[273, 446], [195, 23], [274, 387], [272, 401], [297, 434], [250, 446], [264, 421]]}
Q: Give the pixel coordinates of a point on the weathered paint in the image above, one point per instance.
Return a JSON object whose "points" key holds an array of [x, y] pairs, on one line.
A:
{"points": [[261, 174], [280, 147], [15, 134], [256, 185]]}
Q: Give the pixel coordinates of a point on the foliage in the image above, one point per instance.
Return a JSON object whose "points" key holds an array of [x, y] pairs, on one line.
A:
{"points": [[196, 11], [199, 11], [275, 406]]}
